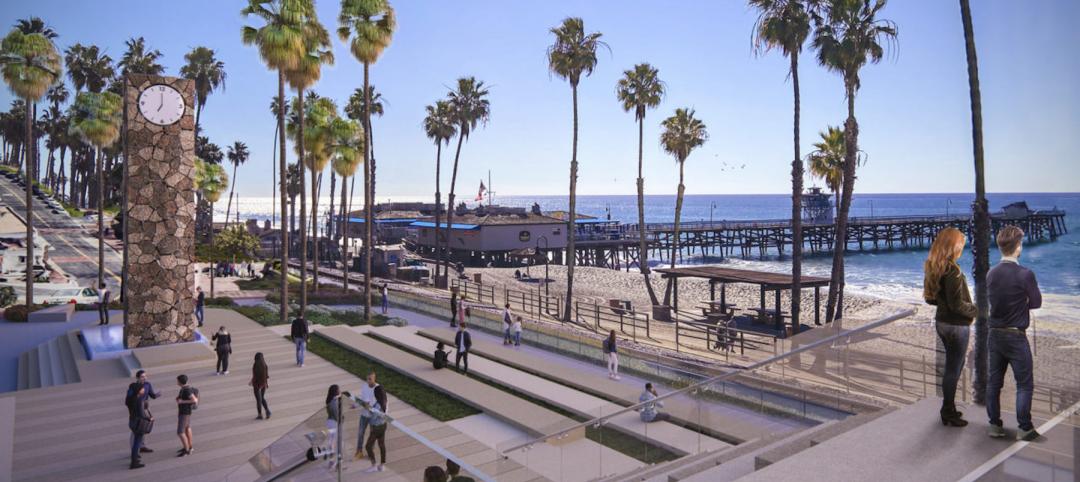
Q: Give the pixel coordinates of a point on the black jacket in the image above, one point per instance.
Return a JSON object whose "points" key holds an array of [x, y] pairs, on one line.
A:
{"points": [[299, 329], [467, 342], [953, 299], [1013, 291]]}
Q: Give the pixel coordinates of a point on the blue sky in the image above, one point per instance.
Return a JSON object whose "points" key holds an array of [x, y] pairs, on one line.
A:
{"points": [[913, 107]]}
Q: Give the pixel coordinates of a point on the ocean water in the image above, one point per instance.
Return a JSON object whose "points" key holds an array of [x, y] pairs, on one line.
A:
{"points": [[895, 274]]}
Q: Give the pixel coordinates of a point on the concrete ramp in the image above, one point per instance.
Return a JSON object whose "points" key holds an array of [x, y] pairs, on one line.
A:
{"points": [[907, 444]]}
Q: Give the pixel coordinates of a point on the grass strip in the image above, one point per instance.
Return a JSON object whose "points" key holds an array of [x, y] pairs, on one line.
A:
{"points": [[611, 438], [406, 389]]}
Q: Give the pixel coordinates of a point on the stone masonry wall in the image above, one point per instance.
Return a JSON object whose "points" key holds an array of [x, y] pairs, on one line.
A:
{"points": [[160, 224]]}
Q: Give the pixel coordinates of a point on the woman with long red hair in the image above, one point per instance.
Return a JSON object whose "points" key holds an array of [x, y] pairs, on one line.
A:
{"points": [[945, 286]]}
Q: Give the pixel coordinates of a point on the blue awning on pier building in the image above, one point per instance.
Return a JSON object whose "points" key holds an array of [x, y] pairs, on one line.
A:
{"points": [[429, 224]]}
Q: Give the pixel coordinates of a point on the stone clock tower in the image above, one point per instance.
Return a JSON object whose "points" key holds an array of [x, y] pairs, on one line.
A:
{"points": [[159, 211]]}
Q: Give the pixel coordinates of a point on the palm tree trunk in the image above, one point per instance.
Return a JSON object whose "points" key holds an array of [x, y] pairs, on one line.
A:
{"points": [[982, 215], [213, 260], [834, 307], [283, 306], [273, 182], [346, 209], [232, 188], [303, 204], [58, 183], [438, 200], [331, 226], [796, 206], [315, 180], [643, 242], [450, 210], [369, 212], [30, 210], [678, 213], [101, 217], [571, 254]]}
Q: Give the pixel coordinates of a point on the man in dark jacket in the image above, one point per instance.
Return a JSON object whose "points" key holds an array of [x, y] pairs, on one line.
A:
{"points": [[134, 395], [462, 342], [299, 335], [1013, 292], [200, 305]]}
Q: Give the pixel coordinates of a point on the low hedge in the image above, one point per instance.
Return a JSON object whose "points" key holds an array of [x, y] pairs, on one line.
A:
{"points": [[20, 313], [220, 301], [113, 305]]}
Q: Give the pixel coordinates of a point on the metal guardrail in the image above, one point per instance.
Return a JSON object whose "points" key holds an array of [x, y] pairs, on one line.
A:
{"points": [[534, 303], [719, 378], [596, 314], [474, 291]]}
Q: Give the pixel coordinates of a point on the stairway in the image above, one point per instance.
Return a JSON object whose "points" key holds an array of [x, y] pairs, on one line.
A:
{"points": [[49, 364]]}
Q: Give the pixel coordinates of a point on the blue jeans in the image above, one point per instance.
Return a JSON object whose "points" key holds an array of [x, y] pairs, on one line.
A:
{"points": [[517, 338], [136, 444], [199, 314], [301, 347], [955, 339], [385, 304], [364, 421], [1008, 349]]}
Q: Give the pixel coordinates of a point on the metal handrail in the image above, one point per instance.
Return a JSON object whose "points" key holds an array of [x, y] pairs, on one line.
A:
{"points": [[691, 388]]}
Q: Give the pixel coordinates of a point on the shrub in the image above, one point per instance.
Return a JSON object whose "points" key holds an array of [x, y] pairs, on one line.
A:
{"points": [[396, 321], [20, 313], [113, 305], [220, 301], [259, 314], [7, 296]]}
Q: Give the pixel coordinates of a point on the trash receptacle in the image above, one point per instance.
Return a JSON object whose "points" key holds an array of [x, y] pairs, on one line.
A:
{"points": [[476, 278]]}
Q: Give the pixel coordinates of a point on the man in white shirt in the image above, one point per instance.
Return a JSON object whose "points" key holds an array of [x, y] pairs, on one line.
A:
{"points": [[104, 296]]}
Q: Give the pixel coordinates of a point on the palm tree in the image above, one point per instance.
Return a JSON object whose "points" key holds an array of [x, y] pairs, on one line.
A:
{"points": [[138, 60], [88, 67], [638, 90], [572, 55], [469, 107], [319, 116], [280, 42], [316, 45], [96, 120], [208, 73], [30, 64], [784, 25], [355, 110], [368, 26], [275, 106], [237, 155], [827, 160], [848, 35], [34, 25], [439, 126], [54, 122], [982, 214], [682, 134], [210, 182], [292, 191], [348, 148]]}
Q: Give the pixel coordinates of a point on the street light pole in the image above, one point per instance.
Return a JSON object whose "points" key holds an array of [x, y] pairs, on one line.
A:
{"points": [[546, 289]]}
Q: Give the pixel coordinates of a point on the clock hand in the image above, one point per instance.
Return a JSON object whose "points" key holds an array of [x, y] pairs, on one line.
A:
{"points": [[161, 101]]}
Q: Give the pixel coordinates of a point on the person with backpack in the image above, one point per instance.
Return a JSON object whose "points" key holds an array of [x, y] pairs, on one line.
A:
{"points": [[186, 401], [104, 297], [140, 420], [441, 358], [299, 332], [507, 321], [611, 352], [223, 348]]}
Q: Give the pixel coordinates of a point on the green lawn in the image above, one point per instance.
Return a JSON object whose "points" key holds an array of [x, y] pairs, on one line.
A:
{"points": [[431, 402], [266, 317]]}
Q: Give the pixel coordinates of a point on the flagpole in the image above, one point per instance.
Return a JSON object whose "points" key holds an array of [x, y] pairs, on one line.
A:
{"points": [[489, 188]]}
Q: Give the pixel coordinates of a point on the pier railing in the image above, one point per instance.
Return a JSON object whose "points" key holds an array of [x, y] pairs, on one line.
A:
{"points": [[534, 303], [473, 291], [602, 318]]}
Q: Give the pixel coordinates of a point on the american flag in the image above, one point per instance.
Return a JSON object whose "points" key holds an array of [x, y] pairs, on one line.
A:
{"points": [[480, 194]]}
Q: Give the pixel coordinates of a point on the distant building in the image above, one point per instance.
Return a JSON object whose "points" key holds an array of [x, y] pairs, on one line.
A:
{"points": [[491, 233], [13, 244], [1016, 210], [392, 220], [817, 207]]}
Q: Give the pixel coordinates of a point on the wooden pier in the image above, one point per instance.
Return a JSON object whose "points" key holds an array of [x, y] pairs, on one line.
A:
{"points": [[762, 238]]}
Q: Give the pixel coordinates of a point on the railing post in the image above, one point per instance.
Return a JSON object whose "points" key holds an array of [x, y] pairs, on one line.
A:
{"points": [[676, 334], [596, 309]]}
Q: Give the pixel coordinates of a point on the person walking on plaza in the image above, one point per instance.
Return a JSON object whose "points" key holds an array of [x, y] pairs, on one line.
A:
{"points": [[140, 421], [223, 347], [649, 411], [1013, 293], [453, 309], [507, 321], [462, 342], [260, 382], [186, 401], [299, 332], [611, 353], [104, 297], [141, 378], [945, 287], [385, 298], [200, 304], [333, 419]]}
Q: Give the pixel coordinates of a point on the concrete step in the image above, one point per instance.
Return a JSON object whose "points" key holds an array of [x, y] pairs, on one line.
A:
{"points": [[24, 372], [56, 361], [67, 359], [44, 365], [33, 374]]}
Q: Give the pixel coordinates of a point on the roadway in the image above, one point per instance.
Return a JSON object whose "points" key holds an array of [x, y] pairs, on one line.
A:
{"points": [[74, 246]]}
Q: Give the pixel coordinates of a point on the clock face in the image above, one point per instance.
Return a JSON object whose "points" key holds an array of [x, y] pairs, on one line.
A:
{"points": [[161, 104]]}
